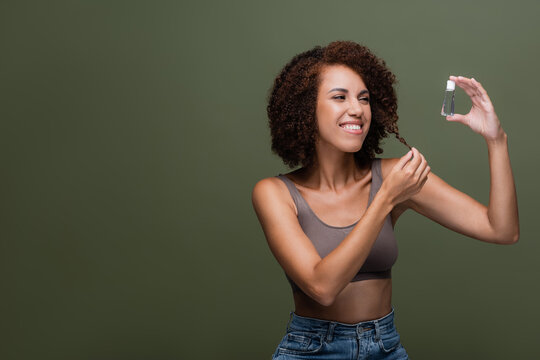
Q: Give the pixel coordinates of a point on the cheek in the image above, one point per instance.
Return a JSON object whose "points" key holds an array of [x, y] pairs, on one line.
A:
{"points": [[368, 115], [325, 119], [368, 112]]}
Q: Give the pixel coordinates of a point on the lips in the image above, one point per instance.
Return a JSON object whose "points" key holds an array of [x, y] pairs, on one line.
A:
{"points": [[352, 122], [352, 130]]}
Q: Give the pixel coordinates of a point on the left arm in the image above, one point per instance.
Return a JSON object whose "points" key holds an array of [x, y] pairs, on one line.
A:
{"points": [[499, 222]]}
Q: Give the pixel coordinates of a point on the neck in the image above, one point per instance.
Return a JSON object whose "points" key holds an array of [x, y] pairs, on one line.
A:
{"points": [[333, 171]]}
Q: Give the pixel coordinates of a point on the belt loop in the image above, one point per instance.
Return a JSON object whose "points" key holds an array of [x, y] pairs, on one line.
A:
{"points": [[377, 331], [330, 331], [290, 318]]}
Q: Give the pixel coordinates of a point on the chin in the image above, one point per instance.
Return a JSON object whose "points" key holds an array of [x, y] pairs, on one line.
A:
{"points": [[353, 146]]}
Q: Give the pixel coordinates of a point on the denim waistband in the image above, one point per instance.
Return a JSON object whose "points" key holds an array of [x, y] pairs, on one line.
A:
{"points": [[336, 328]]}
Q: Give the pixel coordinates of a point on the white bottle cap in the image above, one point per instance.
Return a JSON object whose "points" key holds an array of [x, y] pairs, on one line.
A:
{"points": [[450, 85]]}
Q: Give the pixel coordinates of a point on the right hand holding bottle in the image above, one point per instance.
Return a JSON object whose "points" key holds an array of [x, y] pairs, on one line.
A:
{"points": [[407, 177]]}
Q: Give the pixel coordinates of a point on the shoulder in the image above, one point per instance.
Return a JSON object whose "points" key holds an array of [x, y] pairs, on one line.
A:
{"points": [[266, 187], [270, 184], [387, 165], [271, 192]]}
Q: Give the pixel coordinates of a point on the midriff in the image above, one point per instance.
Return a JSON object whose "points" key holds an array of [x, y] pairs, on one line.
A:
{"points": [[359, 301]]}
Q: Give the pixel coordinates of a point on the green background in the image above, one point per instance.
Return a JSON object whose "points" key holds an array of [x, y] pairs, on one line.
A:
{"points": [[132, 134]]}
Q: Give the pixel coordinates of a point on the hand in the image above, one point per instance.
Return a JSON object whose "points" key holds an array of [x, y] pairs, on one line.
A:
{"points": [[481, 118], [407, 177]]}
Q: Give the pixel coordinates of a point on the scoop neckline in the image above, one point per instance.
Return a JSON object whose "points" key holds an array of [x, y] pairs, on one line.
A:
{"points": [[332, 226]]}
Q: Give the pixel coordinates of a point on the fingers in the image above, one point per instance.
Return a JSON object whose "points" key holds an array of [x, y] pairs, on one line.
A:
{"points": [[404, 160], [415, 161], [425, 172], [472, 88], [422, 164], [418, 165], [481, 90], [414, 172], [467, 85]]}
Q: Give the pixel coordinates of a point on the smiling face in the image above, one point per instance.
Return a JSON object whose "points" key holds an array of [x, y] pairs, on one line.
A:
{"points": [[342, 107]]}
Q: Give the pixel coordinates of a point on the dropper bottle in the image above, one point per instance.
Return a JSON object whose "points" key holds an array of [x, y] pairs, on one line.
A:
{"points": [[448, 102]]}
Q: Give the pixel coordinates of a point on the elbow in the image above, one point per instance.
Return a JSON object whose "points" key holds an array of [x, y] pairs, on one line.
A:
{"points": [[323, 290], [322, 296], [508, 240], [326, 300], [515, 238], [508, 236]]}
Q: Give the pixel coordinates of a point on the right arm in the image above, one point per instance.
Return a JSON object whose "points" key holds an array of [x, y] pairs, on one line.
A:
{"points": [[335, 271], [324, 278]]}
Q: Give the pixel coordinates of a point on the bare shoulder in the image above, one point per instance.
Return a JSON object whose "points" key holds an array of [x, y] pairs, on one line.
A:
{"points": [[269, 192], [387, 165], [265, 188]]}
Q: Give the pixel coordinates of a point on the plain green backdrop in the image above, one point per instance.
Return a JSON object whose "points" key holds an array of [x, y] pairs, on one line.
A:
{"points": [[132, 134]]}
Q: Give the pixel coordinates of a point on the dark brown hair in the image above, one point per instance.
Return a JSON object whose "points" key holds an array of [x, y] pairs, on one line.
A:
{"points": [[293, 99]]}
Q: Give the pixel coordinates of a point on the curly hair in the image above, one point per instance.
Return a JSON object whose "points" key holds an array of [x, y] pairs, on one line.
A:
{"points": [[292, 102]]}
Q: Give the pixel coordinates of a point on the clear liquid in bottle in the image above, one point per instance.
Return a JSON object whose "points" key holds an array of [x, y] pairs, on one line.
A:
{"points": [[448, 102]]}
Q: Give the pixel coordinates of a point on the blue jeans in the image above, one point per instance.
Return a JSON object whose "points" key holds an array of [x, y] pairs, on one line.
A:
{"points": [[309, 338]]}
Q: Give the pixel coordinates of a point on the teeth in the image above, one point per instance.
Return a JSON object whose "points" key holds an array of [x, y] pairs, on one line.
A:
{"points": [[352, 127]]}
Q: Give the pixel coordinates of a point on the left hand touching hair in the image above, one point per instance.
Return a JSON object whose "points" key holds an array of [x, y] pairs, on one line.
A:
{"points": [[481, 118]]}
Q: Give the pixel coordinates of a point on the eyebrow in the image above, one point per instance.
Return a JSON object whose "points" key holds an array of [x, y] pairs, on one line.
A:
{"points": [[346, 91]]}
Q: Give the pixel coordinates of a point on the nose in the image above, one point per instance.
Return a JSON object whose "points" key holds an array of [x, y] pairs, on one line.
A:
{"points": [[355, 108]]}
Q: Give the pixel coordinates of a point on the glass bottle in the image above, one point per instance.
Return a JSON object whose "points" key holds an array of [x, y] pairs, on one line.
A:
{"points": [[448, 102]]}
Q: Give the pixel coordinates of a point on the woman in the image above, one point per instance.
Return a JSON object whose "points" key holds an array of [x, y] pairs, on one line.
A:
{"points": [[330, 223]]}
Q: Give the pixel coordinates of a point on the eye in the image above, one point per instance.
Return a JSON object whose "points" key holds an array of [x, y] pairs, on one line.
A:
{"points": [[342, 97]]}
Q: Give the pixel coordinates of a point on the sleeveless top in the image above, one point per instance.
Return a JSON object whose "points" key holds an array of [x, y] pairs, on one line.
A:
{"points": [[326, 238]]}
